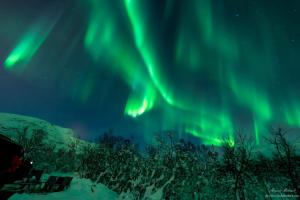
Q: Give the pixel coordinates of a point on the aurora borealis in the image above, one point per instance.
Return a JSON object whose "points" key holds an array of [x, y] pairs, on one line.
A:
{"points": [[204, 68]]}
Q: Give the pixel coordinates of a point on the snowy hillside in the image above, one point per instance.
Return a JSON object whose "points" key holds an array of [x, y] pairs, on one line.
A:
{"points": [[11, 125], [80, 189]]}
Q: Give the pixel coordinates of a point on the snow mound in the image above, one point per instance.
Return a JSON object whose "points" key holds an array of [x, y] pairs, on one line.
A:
{"points": [[80, 189], [11, 125]]}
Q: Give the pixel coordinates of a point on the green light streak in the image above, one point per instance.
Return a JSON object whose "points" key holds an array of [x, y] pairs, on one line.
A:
{"points": [[257, 129], [146, 47], [100, 33], [211, 127], [104, 43], [206, 139], [137, 105], [29, 44], [291, 113], [87, 89], [214, 35], [205, 19], [133, 108], [227, 46], [146, 50], [187, 52], [251, 96], [139, 27], [101, 30]]}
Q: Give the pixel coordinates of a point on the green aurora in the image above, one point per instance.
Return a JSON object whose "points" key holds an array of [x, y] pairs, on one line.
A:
{"points": [[203, 65]]}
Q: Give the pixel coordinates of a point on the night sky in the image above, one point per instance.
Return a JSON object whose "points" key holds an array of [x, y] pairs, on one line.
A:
{"points": [[203, 68]]}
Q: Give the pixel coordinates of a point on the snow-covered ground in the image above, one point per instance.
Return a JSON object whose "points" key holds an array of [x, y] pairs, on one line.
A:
{"points": [[80, 189]]}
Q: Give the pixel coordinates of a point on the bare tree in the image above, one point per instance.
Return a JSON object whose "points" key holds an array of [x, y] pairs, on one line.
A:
{"points": [[33, 142], [237, 160], [285, 156]]}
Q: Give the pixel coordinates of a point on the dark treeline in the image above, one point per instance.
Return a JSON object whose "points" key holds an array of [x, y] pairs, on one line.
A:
{"points": [[178, 169], [183, 170]]}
